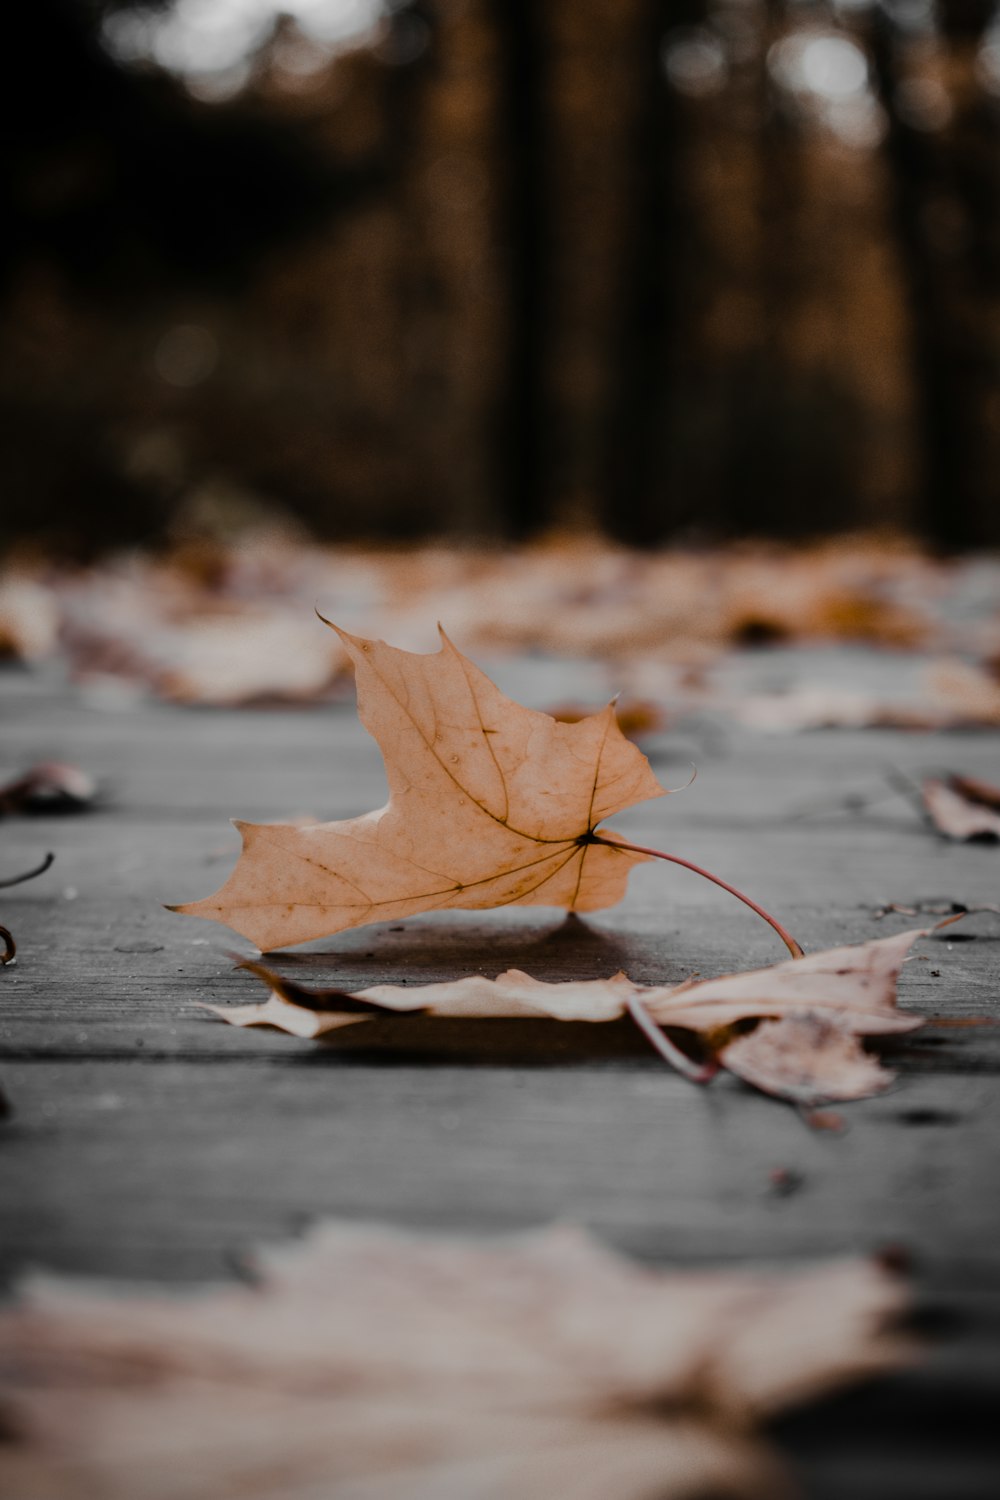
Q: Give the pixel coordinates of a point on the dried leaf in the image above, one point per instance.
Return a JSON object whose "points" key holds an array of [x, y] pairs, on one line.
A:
{"points": [[963, 808], [369, 1364], [807, 1058], [252, 655], [812, 1010], [49, 788], [491, 804], [808, 706], [856, 984], [971, 695], [311, 1013], [29, 619]]}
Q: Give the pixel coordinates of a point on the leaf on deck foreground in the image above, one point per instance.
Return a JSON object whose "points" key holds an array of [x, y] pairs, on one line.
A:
{"points": [[371, 1364], [812, 1013], [490, 804]]}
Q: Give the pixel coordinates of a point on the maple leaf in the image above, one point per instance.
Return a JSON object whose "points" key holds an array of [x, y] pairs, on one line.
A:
{"points": [[490, 804], [812, 1012], [368, 1362]]}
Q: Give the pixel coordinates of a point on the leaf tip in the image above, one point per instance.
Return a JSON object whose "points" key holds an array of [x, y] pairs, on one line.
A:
{"points": [[345, 635]]}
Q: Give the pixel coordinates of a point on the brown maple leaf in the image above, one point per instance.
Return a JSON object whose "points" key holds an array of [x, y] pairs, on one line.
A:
{"points": [[811, 1011], [371, 1364], [490, 804]]}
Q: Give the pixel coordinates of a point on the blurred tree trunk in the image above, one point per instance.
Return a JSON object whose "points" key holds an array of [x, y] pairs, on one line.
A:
{"points": [[456, 299], [946, 201], [635, 500], [588, 149], [520, 428]]}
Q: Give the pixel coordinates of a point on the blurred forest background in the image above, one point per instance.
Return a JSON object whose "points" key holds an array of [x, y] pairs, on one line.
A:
{"points": [[671, 269]]}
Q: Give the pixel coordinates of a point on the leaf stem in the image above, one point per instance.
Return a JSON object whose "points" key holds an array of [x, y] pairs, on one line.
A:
{"points": [[615, 841], [668, 1050], [29, 874]]}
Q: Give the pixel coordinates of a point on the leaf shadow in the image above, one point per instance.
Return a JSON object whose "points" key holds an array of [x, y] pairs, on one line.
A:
{"points": [[428, 951], [402, 1041]]}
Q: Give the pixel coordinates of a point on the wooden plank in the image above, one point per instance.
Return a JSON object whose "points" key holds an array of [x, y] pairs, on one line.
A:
{"points": [[168, 1167], [150, 1141]]}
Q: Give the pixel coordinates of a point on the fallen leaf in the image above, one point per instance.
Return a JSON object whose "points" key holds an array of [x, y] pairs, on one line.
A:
{"points": [[51, 787], [490, 804], [310, 1013], [855, 984], [809, 1059], [962, 807], [806, 707], [371, 1364], [246, 657], [971, 694], [29, 619], [811, 1013]]}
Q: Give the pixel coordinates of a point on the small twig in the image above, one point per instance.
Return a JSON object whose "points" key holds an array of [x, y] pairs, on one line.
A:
{"points": [[29, 874], [6, 936], [954, 909], [696, 1072]]}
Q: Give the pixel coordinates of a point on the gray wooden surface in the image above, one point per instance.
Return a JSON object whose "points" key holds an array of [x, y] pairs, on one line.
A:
{"points": [[147, 1140]]}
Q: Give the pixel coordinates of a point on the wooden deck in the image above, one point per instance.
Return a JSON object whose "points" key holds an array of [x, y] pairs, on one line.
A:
{"points": [[149, 1141]]}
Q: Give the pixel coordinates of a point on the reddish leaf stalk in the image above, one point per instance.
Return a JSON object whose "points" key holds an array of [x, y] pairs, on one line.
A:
{"points": [[668, 1050], [614, 841]]}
